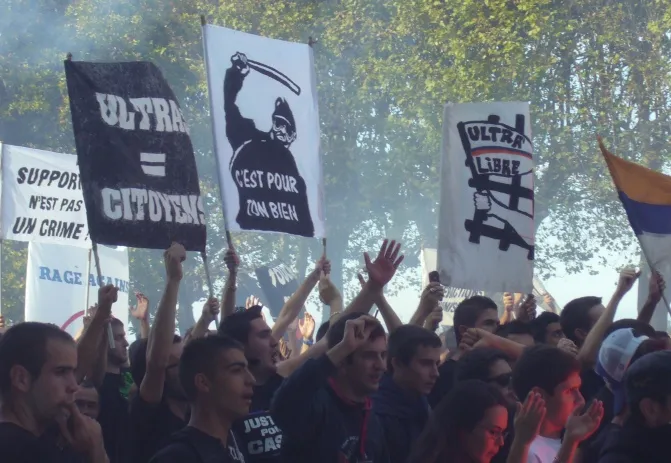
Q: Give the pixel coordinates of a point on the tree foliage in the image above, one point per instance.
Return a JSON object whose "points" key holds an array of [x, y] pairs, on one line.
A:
{"points": [[384, 70]]}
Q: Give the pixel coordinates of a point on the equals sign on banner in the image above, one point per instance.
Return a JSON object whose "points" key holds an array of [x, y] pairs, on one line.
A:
{"points": [[153, 164]]}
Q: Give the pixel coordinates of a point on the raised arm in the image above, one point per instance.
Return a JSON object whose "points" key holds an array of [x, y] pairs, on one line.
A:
{"points": [[590, 347], [292, 408], [428, 301], [228, 293], [238, 129], [141, 312], [656, 287], [380, 272], [208, 315], [87, 351], [163, 330], [295, 303]]}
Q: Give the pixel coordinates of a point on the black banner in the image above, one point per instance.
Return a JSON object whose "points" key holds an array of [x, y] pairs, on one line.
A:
{"points": [[278, 282], [136, 161]]}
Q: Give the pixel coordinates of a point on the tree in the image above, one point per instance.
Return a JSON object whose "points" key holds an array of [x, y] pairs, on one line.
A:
{"points": [[384, 70]]}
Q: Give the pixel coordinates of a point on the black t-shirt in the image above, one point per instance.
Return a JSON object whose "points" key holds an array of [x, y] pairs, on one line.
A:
{"points": [[592, 449], [113, 417], [192, 445], [591, 384], [260, 438], [150, 427], [606, 396], [444, 384], [18, 445]]}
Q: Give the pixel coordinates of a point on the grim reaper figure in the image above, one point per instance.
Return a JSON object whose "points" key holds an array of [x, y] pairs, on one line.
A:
{"points": [[272, 194]]}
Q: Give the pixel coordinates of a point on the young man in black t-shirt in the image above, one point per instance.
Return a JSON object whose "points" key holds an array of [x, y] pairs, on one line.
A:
{"points": [[113, 417], [37, 387], [160, 408], [261, 438], [218, 385]]}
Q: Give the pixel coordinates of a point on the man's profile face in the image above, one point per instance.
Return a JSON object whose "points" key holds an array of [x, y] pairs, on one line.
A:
{"points": [[261, 345], [564, 400], [53, 390], [119, 354], [231, 387]]}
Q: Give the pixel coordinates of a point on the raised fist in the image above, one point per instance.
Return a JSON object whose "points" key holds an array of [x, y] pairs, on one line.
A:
{"points": [[482, 202], [239, 60]]}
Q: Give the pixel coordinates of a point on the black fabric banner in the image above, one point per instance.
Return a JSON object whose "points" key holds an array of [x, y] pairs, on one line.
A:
{"points": [[136, 161], [278, 282]]}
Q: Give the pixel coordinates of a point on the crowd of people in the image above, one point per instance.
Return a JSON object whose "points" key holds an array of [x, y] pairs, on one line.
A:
{"points": [[554, 388]]}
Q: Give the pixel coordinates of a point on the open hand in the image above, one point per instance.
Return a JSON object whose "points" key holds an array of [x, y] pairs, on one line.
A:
{"points": [[140, 311], [382, 269], [529, 417], [251, 302], [283, 349], [580, 426], [306, 326]]}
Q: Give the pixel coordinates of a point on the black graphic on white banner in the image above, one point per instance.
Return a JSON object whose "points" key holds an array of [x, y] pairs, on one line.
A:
{"points": [[272, 193], [500, 159], [278, 282], [138, 170], [454, 296]]}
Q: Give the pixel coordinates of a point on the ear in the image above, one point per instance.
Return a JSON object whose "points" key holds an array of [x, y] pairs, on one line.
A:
{"points": [[648, 408], [395, 364], [202, 383], [20, 378], [580, 334]]}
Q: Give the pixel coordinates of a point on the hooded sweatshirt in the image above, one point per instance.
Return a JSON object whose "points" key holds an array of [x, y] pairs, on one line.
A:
{"points": [[320, 425], [634, 443], [403, 416]]}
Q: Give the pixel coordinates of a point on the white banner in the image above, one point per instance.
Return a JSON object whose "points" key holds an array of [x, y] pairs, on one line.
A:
{"points": [[42, 198], [486, 224], [56, 283], [263, 99]]}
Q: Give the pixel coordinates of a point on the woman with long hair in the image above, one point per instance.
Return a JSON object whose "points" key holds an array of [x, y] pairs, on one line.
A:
{"points": [[468, 426]]}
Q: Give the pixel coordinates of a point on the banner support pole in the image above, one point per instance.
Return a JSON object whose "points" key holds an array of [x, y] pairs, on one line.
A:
{"points": [[88, 283], [96, 259], [203, 23], [208, 279]]}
